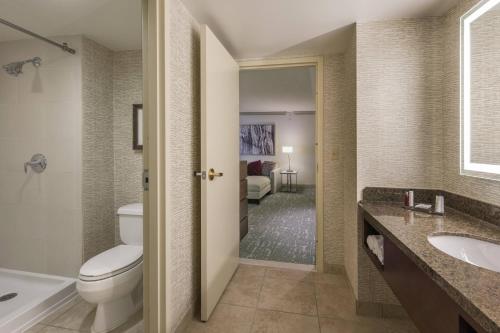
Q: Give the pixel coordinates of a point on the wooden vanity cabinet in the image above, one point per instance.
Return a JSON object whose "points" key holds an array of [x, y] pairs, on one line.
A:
{"points": [[243, 200], [427, 304]]}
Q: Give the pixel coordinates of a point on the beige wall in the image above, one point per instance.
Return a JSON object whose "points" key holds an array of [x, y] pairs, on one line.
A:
{"points": [[41, 112], [97, 149], [481, 189], [350, 163], [333, 219], [399, 122], [183, 157], [127, 90]]}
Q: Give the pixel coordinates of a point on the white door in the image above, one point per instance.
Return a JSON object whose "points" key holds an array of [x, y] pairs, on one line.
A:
{"points": [[219, 155]]}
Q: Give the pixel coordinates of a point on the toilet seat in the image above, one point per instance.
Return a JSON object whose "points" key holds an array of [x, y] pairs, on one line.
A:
{"points": [[112, 262]]}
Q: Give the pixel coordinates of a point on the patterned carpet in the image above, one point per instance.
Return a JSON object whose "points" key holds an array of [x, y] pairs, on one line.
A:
{"points": [[282, 228]]}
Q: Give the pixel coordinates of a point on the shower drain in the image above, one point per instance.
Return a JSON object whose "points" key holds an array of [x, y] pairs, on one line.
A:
{"points": [[7, 297]]}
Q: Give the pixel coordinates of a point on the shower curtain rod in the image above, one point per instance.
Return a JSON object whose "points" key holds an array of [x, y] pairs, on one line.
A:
{"points": [[63, 46]]}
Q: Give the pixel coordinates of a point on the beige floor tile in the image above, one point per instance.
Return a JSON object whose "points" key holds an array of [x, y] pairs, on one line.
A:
{"points": [[267, 321], [75, 300], [366, 325], [225, 319], [288, 296], [329, 325], [80, 317], [244, 289], [290, 274], [133, 325], [335, 302], [35, 329], [52, 329], [337, 280], [251, 270]]}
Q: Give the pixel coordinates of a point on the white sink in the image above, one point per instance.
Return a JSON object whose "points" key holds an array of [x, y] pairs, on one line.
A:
{"points": [[471, 250]]}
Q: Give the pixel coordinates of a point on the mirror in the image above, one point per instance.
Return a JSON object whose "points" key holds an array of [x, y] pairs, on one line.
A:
{"points": [[480, 118]]}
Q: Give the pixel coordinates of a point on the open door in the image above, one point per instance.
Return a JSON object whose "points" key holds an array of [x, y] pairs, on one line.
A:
{"points": [[220, 165]]}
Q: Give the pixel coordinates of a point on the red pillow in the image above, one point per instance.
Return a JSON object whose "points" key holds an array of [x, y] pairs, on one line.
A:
{"points": [[255, 168]]}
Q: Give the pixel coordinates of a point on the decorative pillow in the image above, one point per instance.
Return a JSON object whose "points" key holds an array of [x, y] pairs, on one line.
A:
{"points": [[255, 168], [267, 167]]}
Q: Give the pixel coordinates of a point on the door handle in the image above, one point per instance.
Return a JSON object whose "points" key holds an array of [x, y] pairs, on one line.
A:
{"points": [[212, 174]]}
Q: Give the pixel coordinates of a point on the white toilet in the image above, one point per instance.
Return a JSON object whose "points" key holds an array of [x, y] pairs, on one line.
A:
{"points": [[113, 279]]}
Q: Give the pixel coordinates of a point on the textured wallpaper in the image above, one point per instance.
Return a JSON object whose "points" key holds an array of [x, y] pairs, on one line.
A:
{"points": [[333, 195], [477, 188], [350, 167], [183, 157], [127, 90], [97, 143]]}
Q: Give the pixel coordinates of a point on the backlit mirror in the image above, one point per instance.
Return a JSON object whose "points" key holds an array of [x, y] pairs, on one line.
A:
{"points": [[480, 118]]}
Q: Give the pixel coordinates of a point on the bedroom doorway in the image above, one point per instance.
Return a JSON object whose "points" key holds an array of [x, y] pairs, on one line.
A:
{"points": [[281, 205]]}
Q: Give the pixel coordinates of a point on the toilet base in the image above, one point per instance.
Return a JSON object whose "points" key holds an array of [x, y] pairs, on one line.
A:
{"points": [[110, 315]]}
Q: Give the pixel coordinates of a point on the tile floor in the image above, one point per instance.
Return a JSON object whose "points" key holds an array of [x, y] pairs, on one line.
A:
{"points": [[261, 300], [78, 316]]}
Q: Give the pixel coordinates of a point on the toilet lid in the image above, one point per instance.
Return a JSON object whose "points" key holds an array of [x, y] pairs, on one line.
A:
{"points": [[111, 262]]}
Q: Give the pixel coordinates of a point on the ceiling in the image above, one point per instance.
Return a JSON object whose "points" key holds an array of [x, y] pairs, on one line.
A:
{"points": [[277, 90], [115, 24], [264, 28]]}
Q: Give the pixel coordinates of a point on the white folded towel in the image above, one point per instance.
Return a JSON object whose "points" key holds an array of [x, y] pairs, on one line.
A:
{"points": [[376, 245]]}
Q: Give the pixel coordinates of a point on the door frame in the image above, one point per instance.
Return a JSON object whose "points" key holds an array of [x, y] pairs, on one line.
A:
{"points": [[318, 63], [155, 95]]}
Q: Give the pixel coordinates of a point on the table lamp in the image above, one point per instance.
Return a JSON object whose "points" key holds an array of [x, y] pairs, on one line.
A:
{"points": [[288, 150]]}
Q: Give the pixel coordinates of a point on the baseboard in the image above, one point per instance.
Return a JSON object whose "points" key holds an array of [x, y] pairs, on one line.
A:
{"points": [[380, 310]]}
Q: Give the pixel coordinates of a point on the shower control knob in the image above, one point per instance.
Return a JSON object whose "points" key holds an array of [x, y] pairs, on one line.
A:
{"points": [[38, 163]]}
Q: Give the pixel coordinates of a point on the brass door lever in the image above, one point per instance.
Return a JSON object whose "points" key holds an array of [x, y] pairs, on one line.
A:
{"points": [[212, 174]]}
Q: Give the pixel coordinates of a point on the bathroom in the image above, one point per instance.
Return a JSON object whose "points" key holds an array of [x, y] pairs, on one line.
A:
{"points": [[70, 112], [400, 92]]}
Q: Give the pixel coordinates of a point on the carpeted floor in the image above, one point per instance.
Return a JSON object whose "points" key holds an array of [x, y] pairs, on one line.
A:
{"points": [[282, 228]]}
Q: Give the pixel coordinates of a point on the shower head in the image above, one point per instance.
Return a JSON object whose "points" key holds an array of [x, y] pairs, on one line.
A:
{"points": [[16, 68]]}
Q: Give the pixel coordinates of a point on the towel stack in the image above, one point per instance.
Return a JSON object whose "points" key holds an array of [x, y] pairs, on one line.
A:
{"points": [[376, 245]]}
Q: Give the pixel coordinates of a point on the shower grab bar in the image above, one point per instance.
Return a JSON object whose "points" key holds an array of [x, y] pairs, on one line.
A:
{"points": [[63, 46]]}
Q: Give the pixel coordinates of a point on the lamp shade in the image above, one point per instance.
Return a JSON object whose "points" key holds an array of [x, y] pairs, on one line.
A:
{"points": [[287, 149]]}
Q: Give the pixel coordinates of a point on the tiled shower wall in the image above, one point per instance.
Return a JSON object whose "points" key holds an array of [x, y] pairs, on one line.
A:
{"points": [[41, 112]]}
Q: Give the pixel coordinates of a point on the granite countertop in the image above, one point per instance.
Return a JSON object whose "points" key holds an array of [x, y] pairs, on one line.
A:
{"points": [[475, 289]]}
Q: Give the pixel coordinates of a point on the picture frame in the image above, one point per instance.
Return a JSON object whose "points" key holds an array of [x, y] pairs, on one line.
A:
{"points": [[137, 123], [257, 139]]}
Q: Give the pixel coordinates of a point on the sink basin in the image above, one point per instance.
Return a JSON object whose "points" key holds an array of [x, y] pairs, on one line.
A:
{"points": [[473, 251]]}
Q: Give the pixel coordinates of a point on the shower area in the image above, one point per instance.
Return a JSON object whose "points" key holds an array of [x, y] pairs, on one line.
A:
{"points": [[65, 147], [40, 177]]}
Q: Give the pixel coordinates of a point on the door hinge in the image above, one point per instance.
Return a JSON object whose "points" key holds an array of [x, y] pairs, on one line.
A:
{"points": [[145, 180]]}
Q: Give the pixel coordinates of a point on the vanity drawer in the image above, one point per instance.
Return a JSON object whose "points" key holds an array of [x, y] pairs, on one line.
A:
{"points": [[243, 189], [243, 208]]}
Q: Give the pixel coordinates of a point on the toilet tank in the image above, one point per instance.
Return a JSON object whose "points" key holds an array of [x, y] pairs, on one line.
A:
{"points": [[130, 220]]}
